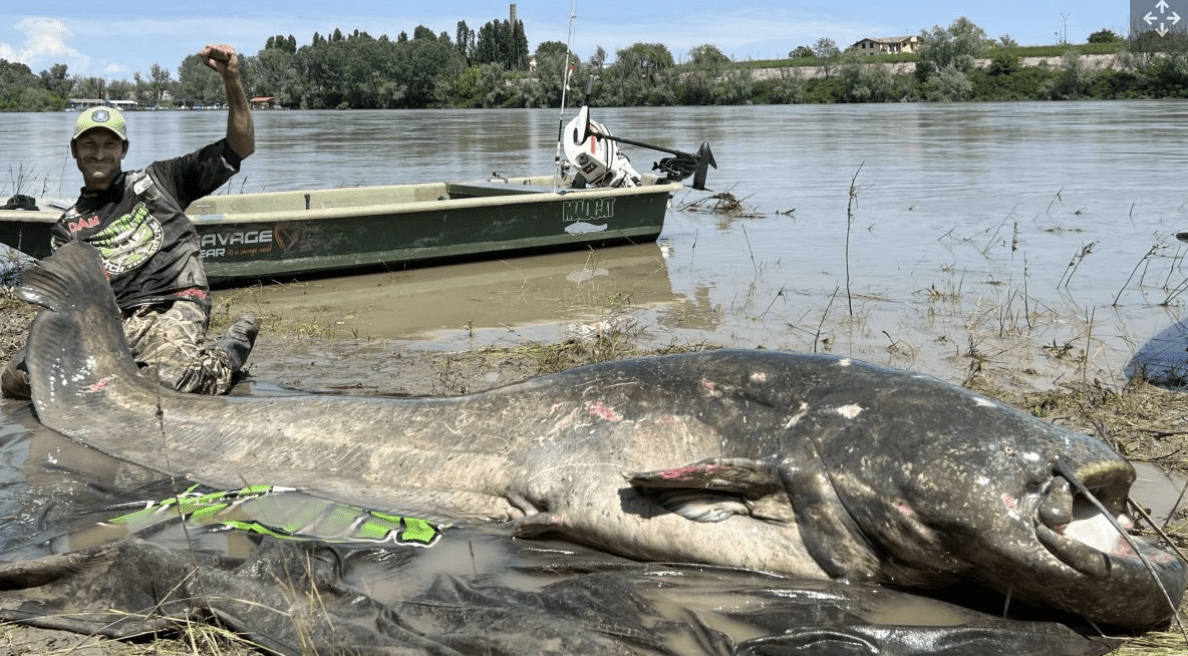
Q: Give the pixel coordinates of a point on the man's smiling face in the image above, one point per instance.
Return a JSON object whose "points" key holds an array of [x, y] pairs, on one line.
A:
{"points": [[98, 153]]}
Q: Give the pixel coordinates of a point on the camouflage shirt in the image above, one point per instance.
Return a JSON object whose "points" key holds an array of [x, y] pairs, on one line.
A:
{"points": [[149, 246]]}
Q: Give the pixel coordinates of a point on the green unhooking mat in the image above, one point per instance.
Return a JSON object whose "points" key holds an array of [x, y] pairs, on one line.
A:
{"points": [[309, 597]]}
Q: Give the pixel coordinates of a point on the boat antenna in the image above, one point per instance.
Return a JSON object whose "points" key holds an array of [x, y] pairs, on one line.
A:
{"points": [[564, 88]]}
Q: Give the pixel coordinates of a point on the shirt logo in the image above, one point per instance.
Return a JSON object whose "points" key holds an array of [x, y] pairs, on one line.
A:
{"points": [[129, 241]]}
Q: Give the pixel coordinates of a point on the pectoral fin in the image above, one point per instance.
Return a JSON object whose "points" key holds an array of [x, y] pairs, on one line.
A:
{"points": [[712, 490]]}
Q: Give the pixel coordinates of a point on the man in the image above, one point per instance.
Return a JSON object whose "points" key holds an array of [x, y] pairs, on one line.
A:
{"points": [[150, 248]]}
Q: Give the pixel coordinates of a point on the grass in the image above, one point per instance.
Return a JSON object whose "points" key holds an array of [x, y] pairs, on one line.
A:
{"points": [[195, 639]]}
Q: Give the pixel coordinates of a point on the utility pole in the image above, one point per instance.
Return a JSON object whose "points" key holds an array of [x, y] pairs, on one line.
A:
{"points": [[1064, 39]]}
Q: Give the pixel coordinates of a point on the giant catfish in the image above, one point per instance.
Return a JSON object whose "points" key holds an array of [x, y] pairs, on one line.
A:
{"points": [[807, 465]]}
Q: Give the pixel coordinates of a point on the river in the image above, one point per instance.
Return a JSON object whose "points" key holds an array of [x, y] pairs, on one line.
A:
{"points": [[1000, 226]]}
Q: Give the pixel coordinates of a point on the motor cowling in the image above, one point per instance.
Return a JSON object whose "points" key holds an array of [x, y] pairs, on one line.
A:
{"points": [[596, 160]]}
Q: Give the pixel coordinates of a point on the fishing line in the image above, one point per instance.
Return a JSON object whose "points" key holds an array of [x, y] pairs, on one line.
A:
{"points": [[564, 89], [1068, 474]]}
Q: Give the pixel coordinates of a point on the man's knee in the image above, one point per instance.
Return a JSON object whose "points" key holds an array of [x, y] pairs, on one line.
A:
{"points": [[210, 375]]}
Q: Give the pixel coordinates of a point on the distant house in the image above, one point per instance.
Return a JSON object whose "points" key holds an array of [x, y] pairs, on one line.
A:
{"points": [[83, 103], [264, 102], [887, 45]]}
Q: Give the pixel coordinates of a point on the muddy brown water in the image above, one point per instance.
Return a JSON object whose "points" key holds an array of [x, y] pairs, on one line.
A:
{"points": [[1023, 232]]}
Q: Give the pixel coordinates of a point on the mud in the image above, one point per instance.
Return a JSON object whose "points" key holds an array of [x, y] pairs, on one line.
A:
{"points": [[305, 347]]}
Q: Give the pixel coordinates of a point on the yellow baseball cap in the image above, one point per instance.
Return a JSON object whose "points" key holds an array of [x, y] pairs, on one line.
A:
{"points": [[100, 117]]}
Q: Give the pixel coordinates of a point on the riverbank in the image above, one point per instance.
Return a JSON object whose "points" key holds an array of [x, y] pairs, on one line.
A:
{"points": [[1090, 64], [1144, 422]]}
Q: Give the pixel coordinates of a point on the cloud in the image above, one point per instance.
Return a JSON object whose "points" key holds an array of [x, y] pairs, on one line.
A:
{"points": [[45, 44]]}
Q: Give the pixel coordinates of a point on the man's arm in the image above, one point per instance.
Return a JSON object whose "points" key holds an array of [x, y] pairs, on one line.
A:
{"points": [[241, 135]]}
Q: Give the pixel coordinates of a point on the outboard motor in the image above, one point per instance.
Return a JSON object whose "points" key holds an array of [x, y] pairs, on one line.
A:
{"points": [[596, 158]]}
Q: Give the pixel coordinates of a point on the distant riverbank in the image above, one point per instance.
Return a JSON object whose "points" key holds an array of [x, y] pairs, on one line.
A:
{"points": [[1091, 63]]}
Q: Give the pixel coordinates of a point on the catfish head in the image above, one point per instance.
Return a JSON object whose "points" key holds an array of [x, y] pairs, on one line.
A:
{"points": [[899, 478]]}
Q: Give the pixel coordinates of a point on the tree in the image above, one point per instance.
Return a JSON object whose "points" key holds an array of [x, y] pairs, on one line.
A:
{"points": [[464, 41], [827, 54], [158, 83], [519, 44], [707, 55], [15, 77], [552, 48], [35, 99], [801, 52], [428, 69], [1104, 36], [121, 90], [640, 76], [598, 60], [949, 85], [87, 87], [704, 82], [1074, 78], [197, 83], [283, 43], [56, 81], [946, 58], [501, 42], [869, 82], [1007, 42], [825, 48], [550, 69], [273, 72], [1002, 63], [954, 47]]}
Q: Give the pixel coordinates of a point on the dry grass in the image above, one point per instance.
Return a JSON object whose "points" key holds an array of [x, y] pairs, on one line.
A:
{"points": [[616, 341], [194, 640], [723, 203]]}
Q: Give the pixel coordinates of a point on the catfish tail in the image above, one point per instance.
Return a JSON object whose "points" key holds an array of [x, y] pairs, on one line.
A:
{"points": [[76, 345]]}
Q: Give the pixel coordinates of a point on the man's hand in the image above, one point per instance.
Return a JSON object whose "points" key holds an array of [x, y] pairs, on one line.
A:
{"points": [[220, 57], [241, 135]]}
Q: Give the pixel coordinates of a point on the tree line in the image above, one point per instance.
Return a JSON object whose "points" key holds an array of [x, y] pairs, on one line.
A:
{"points": [[491, 68]]}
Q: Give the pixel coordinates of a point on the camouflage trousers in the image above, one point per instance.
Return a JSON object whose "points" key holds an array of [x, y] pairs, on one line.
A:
{"points": [[170, 344]]}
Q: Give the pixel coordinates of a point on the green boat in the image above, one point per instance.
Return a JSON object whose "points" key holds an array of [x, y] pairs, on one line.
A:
{"points": [[316, 232], [287, 234]]}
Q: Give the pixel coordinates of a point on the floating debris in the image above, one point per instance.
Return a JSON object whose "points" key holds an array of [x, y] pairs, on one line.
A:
{"points": [[723, 202]]}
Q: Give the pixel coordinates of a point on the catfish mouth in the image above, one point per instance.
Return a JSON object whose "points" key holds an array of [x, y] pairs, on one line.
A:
{"points": [[1118, 579], [1082, 521]]}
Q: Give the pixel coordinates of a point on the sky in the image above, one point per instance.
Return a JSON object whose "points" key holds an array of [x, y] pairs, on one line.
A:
{"points": [[115, 40]]}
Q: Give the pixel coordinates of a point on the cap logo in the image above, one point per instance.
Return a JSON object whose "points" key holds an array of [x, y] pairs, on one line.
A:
{"points": [[100, 115]]}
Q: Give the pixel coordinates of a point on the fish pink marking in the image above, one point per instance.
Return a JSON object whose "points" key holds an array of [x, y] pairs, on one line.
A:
{"points": [[99, 386], [1010, 502], [604, 411], [682, 472]]}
